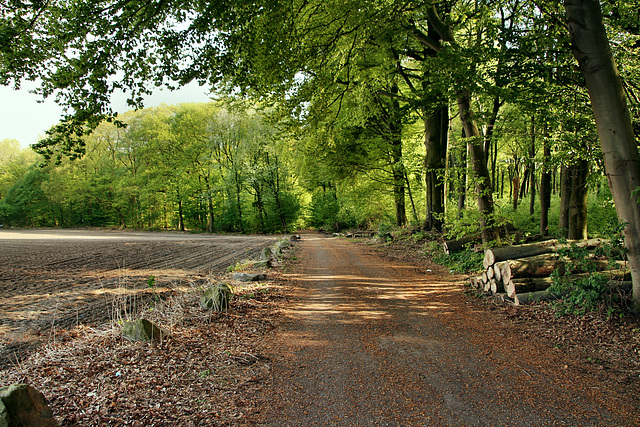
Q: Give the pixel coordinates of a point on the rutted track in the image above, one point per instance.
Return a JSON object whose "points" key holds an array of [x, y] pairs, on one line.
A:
{"points": [[60, 278]]}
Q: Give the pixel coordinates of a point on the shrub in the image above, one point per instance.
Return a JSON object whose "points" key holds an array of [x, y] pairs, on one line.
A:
{"points": [[457, 262], [593, 291]]}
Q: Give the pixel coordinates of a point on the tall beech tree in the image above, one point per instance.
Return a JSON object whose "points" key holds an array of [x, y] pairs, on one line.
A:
{"points": [[621, 158]]}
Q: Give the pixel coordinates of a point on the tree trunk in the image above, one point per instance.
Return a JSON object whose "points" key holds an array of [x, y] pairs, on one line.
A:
{"points": [[478, 166], [457, 245], [524, 185], [462, 183], [472, 133], [527, 285], [392, 119], [211, 217], [399, 194], [238, 200], [619, 146], [578, 201], [180, 214], [532, 249], [436, 127], [413, 205], [545, 186], [536, 266], [490, 147], [565, 198], [532, 167], [531, 297], [515, 190]]}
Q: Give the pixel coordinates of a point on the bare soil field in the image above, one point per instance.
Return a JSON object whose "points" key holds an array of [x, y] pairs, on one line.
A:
{"points": [[57, 279]]}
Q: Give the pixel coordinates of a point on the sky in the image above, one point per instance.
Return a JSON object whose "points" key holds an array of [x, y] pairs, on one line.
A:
{"points": [[24, 119]]}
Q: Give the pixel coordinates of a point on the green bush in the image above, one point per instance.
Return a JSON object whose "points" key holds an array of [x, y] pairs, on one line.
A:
{"points": [[457, 262], [591, 292], [324, 209]]}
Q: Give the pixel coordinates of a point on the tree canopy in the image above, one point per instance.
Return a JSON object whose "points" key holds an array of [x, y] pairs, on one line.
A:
{"points": [[365, 110]]}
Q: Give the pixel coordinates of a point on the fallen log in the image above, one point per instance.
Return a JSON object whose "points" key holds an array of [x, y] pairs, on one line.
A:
{"points": [[545, 264], [538, 266], [487, 286], [497, 272], [531, 297], [532, 249], [537, 284], [457, 245], [489, 259], [490, 273], [496, 287], [527, 285]]}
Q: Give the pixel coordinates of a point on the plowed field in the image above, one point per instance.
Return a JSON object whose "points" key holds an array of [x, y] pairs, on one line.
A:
{"points": [[56, 279]]}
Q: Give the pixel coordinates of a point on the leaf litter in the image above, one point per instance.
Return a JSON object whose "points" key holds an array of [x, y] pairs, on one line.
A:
{"points": [[204, 373]]}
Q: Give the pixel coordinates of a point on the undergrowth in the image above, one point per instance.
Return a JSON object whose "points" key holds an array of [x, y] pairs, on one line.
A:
{"points": [[592, 290], [458, 262]]}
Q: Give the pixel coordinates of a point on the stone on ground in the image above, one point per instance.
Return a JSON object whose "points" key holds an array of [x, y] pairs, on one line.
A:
{"points": [[249, 277], [23, 405], [217, 297], [265, 254], [141, 330]]}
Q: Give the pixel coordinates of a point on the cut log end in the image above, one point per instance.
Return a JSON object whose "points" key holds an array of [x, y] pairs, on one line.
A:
{"points": [[489, 258]]}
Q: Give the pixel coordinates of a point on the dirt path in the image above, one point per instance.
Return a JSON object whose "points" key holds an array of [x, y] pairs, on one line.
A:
{"points": [[369, 342]]}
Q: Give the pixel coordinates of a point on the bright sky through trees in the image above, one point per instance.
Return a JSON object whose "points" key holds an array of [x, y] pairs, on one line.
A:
{"points": [[24, 119]]}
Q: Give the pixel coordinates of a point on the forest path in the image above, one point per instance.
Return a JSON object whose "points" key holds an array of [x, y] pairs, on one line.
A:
{"points": [[367, 341]]}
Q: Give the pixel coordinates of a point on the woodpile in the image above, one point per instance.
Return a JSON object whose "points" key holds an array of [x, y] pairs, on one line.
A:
{"points": [[522, 272]]}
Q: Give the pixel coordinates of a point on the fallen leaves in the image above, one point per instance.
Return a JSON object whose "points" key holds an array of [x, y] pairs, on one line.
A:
{"points": [[203, 374]]}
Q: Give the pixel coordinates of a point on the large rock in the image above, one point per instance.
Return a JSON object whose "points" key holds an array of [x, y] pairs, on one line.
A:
{"points": [[279, 247], [142, 330], [249, 277], [4, 415], [217, 297], [22, 405], [260, 264], [265, 255]]}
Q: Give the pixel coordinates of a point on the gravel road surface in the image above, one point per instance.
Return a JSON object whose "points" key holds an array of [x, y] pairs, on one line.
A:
{"points": [[367, 342]]}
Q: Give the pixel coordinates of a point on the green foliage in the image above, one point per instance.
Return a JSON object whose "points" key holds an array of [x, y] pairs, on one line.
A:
{"points": [[151, 281], [457, 262], [195, 166], [385, 230], [324, 210], [583, 295], [419, 236], [594, 290], [239, 266], [26, 203]]}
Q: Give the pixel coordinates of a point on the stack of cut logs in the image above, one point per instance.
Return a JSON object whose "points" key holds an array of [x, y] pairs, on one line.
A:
{"points": [[522, 272]]}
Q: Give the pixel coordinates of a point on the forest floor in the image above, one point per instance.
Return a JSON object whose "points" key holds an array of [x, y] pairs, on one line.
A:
{"points": [[344, 333]]}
